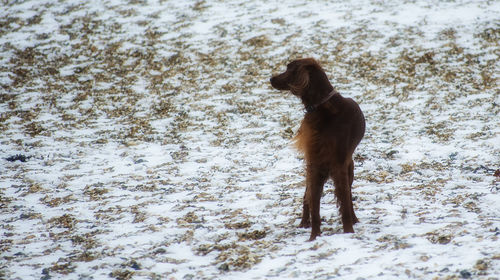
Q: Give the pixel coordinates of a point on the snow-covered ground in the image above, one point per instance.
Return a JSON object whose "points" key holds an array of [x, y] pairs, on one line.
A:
{"points": [[142, 140]]}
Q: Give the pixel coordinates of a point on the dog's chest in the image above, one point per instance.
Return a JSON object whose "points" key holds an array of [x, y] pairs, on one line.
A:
{"points": [[305, 136]]}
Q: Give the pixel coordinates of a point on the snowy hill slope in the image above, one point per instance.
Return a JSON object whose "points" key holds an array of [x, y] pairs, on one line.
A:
{"points": [[142, 140]]}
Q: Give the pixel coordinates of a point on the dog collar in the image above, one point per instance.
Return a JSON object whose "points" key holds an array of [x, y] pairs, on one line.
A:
{"points": [[312, 108]]}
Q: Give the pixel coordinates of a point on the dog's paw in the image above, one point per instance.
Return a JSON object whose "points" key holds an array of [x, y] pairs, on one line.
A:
{"points": [[305, 224], [313, 236], [348, 229], [355, 220]]}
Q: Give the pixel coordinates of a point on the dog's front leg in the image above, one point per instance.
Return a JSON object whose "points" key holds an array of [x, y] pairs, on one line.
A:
{"points": [[306, 214], [316, 178]]}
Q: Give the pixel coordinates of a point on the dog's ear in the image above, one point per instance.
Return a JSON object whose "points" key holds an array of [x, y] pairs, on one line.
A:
{"points": [[301, 81], [319, 80]]}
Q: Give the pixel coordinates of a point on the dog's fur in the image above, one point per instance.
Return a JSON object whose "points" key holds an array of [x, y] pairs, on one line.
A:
{"points": [[330, 131]]}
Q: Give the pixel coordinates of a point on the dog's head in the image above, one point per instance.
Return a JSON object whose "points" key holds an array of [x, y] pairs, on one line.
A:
{"points": [[302, 77]]}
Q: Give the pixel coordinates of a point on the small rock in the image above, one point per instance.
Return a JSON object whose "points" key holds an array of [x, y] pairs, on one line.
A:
{"points": [[465, 274], [135, 265], [160, 251], [224, 267], [444, 239], [453, 156], [25, 216], [390, 154], [481, 265], [19, 157], [45, 273]]}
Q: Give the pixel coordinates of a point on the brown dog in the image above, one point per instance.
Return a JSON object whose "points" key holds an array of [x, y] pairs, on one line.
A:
{"points": [[332, 128]]}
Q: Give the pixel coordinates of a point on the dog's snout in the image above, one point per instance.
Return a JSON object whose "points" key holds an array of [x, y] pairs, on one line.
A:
{"points": [[278, 82], [273, 81]]}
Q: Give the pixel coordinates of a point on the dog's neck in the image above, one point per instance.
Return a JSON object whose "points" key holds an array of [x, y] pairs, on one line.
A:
{"points": [[312, 107]]}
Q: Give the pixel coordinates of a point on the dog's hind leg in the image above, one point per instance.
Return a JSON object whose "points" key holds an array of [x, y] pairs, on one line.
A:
{"points": [[351, 179], [343, 193]]}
